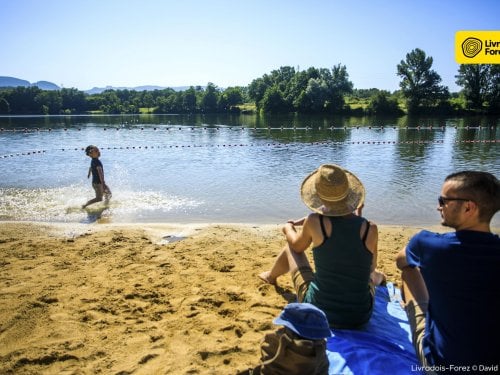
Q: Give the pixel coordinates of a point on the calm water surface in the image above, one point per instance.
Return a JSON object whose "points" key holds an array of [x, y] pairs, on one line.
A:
{"points": [[245, 169]]}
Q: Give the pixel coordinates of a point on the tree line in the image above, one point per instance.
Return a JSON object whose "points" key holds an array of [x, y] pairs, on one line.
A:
{"points": [[33, 100], [315, 90]]}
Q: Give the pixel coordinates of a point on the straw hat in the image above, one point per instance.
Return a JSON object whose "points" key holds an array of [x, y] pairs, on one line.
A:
{"points": [[332, 191]]}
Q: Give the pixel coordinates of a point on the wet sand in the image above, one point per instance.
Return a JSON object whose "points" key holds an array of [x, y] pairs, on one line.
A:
{"points": [[143, 299]]}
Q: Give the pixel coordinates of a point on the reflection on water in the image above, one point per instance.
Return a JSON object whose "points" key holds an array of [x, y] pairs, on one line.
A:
{"points": [[243, 120], [233, 168]]}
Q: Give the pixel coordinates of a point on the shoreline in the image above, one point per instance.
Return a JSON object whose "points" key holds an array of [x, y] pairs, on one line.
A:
{"points": [[160, 232], [144, 298], [106, 223]]}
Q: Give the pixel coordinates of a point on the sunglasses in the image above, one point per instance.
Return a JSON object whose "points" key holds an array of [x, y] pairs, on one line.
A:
{"points": [[442, 200]]}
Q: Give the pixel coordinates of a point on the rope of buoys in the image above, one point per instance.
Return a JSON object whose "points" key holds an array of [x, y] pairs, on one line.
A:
{"points": [[306, 128], [268, 144]]}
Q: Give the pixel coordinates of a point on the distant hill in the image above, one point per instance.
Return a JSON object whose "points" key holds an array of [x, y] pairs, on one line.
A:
{"points": [[98, 90], [45, 85], [15, 82]]}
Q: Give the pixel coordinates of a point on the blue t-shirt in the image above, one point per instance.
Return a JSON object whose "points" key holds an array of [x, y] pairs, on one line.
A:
{"points": [[461, 271]]}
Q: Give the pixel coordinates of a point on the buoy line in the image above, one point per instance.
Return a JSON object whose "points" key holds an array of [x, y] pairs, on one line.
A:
{"points": [[241, 128], [261, 145]]}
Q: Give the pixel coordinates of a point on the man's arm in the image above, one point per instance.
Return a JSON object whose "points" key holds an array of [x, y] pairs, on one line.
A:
{"points": [[414, 288], [401, 261]]}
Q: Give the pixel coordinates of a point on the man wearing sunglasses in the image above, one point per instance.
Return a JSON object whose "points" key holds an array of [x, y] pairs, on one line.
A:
{"points": [[450, 280]]}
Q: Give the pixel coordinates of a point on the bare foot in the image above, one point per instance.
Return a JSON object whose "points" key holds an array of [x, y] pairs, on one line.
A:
{"points": [[378, 278], [266, 277]]}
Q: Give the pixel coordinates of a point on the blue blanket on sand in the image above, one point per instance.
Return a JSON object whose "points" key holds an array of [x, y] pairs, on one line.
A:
{"points": [[383, 346]]}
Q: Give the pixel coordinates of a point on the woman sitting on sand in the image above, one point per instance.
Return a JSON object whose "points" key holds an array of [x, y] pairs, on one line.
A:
{"points": [[344, 249]]}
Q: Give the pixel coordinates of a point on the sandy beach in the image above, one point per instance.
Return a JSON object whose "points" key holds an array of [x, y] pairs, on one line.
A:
{"points": [[143, 299]]}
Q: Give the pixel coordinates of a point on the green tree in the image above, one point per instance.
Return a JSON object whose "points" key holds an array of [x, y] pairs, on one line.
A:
{"points": [[278, 79], [420, 84], [273, 101], [281, 79], [4, 106], [49, 102], [338, 85], [382, 104], [312, 90], [295, 93], [316, 95], [22, 99], [365, 93], [147, 100], [110, 102], [171, 103], [189, 100], [257, 90], [93, 102], [324, 92], [480, 86], [209, 99], [493, 95], [233, 96], [473, 78], [73, 100]]}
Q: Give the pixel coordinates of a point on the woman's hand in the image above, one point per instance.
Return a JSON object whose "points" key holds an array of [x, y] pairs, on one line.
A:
{"points": [[289, 226], [297, 222], [299, 240]]}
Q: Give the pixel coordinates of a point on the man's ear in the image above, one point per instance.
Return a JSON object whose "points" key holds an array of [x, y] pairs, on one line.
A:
{"points": [[471, 207]]}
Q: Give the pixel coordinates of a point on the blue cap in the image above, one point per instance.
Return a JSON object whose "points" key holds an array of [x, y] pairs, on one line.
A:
{"points": [[306, 320]]}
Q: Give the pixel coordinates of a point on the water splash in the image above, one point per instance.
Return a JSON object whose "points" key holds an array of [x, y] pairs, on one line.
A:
{"points": [[64, 204]]}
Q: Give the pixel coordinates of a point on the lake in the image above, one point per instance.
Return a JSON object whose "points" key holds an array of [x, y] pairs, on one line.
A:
{"points": [[233, 168]]}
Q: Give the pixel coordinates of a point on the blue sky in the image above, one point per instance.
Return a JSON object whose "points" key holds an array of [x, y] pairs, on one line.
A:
{"points": [[88, 43]]}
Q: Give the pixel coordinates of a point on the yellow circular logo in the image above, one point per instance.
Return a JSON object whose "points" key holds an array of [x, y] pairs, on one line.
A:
{"points": [[471, 47]]}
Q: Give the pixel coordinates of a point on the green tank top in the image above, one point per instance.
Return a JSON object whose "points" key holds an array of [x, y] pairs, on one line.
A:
{"points": [[342, 275]]}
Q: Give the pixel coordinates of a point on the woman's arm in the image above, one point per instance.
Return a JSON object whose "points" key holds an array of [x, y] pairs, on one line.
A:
{"points": [[298, 241], [372, 243]]}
